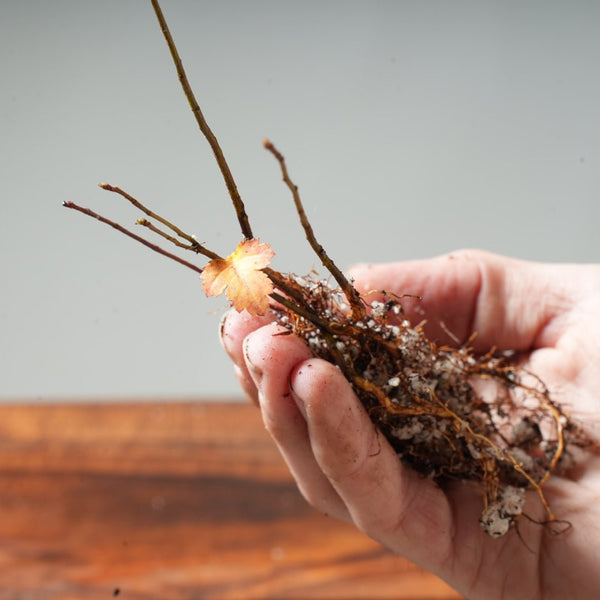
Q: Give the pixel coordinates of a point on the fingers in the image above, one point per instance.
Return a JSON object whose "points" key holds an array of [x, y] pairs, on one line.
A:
{"points": [[342, 465], [509, 303], [263, 362], [233, 330], [271, 358]]}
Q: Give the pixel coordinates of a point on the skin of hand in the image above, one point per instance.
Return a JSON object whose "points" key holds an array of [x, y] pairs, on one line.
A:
{"points": [[551, 313]]}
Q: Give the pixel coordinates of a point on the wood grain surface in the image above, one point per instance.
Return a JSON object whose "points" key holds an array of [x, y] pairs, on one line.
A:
{"points": [[174, 501]]}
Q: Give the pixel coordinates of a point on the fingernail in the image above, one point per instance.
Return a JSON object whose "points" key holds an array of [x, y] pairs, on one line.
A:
{"points": [[299, 402], [222, 333], [255, 371], [248, 386], [297, 372]]}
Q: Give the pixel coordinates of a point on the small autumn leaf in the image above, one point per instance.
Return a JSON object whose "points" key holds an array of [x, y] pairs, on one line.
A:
{"points": [[240, 274]]}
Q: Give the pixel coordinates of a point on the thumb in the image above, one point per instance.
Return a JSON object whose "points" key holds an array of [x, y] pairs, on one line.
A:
{"points": [[511, 304]]}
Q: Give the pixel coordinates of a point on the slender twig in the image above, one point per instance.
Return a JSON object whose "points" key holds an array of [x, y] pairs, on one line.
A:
{"points": [[198, 248], [353, 297], [117, 190], [137, 238], [204, 128]]}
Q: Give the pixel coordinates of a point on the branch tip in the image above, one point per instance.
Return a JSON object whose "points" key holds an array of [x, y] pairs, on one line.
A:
{"points": [[353, 297], [234, 194]]}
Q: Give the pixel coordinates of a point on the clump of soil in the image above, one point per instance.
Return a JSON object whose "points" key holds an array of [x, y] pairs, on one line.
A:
{"points": [[449, 413]]}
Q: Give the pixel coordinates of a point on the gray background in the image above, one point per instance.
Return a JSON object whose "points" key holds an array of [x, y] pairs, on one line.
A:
{"points": [[413, 128]]}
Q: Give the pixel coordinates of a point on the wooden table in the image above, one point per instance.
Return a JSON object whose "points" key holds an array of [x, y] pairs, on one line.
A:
{"points": [[171, 501]]}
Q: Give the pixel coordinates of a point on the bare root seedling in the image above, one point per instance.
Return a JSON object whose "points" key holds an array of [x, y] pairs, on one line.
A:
{"points": [[450, 413]]}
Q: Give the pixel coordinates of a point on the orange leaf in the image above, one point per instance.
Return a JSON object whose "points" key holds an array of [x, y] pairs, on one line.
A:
{"points": [[240, 274]]}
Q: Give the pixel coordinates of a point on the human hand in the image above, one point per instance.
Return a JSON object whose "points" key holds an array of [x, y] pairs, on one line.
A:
{"points": [[343, 468]]}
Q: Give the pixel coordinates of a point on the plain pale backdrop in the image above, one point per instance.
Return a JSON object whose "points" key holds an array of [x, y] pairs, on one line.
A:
{"points": [[412, 128]]}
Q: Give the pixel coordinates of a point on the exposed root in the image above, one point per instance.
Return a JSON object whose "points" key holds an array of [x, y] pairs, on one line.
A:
{"points": [[424, 399]]}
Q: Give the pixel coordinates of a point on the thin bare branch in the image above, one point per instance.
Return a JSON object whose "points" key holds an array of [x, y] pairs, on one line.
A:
{"points": [[353, 297], [198, 248], [137, 238], [204, 128], [117, 190]]}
